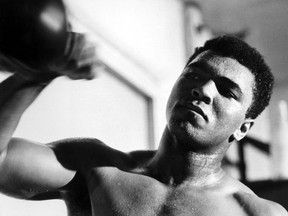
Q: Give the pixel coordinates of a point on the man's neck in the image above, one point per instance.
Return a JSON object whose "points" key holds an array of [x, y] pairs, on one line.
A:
{"points": [[174, 166]]}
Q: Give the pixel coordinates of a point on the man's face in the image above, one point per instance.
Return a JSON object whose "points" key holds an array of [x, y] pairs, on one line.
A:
{"points": [[209, 101]]}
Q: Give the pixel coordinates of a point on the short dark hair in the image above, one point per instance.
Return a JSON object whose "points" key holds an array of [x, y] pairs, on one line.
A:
{"points": [[233, 47]]}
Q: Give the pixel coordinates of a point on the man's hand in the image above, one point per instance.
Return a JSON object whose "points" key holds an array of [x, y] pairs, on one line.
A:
{"points": [[77, 62], [79, 58]]}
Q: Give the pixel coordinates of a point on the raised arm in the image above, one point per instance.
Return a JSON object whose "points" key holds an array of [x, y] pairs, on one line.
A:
{"points": [[28, 168], [16, 95]]}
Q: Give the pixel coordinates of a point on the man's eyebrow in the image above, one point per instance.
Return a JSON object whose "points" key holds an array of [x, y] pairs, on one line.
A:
{"points": [[195, 64], [202, 65], [231, 84]]}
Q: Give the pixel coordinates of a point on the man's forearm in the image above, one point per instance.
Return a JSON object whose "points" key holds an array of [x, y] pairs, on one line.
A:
{"points": [[16, 95], [18, 91]]}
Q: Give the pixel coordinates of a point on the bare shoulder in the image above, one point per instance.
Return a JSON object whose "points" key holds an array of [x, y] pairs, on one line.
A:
{"points": [[250, 203], [256, 206]]}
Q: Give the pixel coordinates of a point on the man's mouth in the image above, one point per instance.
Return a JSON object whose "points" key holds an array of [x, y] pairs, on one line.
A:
{"points": [[196, 109]]}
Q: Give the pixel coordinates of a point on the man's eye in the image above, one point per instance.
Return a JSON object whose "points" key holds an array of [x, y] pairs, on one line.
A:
{"points": [[227, 93], [194, 76], [231, 95]]}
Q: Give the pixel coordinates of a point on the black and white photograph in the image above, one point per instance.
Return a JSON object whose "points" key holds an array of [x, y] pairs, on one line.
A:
{"points": [[143, 107]]}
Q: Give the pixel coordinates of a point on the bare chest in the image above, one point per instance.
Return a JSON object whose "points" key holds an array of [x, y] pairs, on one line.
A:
{"points": [[119, 193]]}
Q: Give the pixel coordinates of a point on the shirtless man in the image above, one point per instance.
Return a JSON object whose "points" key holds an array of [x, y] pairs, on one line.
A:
{"points": [[223, 88]]}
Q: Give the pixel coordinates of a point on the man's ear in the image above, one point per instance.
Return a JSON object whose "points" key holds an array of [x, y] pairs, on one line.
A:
{"points": [[243, 130]]}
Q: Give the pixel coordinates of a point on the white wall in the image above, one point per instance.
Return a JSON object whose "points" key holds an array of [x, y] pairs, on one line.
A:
{"points": [[148, 32]]}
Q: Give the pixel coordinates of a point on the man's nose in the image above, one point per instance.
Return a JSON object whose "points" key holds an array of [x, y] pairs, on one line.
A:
{"points": [[205, 91]]}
